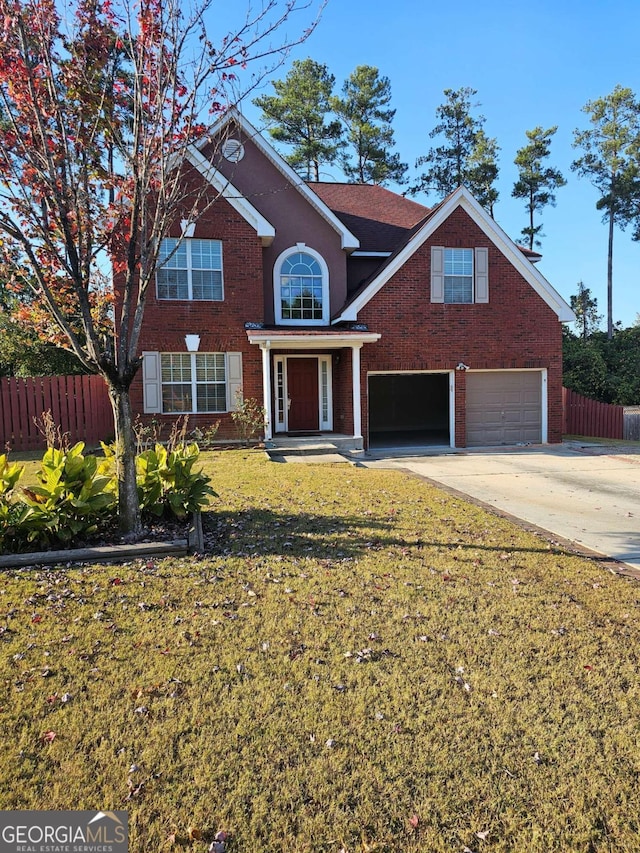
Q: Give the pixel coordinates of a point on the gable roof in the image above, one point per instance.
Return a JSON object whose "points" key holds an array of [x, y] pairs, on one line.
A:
{"points": [[437, 216], [379, 218], [348, 240]]}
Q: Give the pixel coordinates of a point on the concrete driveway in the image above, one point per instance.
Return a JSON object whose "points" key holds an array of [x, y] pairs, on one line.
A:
{"points": [[586, 493]]}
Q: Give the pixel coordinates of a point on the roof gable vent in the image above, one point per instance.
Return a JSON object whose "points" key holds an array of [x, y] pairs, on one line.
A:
{"points": [[233, 150]]}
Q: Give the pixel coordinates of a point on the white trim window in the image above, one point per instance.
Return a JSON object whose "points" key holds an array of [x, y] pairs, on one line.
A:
{"points": [[301, 288], [190, 269], [193, 382], [459, 276]]}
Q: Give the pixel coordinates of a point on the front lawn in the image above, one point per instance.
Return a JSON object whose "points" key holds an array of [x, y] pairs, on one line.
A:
{"points": [[361, 663]]}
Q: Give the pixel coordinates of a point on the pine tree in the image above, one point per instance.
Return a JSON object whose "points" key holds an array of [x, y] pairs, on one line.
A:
{"points": [[610, 161], [364, 110], [585, 307], [298, 114], [468, 157], [536, 182]]}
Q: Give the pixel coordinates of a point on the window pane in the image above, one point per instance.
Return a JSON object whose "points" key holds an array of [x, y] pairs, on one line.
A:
{"points": [[210, 367], [212, 398], [176, 398], [458, 262], [176, 367], [178, 259], [207, 284], [206, 254], [458, 289], [172, 284]]}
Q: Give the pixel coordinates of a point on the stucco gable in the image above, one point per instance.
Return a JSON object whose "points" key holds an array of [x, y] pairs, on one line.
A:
{"points": [[348, 241], [463, 199]]}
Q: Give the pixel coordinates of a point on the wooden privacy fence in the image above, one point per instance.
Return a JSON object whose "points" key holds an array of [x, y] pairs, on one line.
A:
{"points": [[631, 423], [79, 405], [583, 416]]}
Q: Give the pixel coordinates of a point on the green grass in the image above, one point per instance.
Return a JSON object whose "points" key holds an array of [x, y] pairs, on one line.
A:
{"points": [[358, 650]]}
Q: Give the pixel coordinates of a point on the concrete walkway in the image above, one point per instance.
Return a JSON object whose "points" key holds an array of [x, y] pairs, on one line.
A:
{"points": [[588, 494]]}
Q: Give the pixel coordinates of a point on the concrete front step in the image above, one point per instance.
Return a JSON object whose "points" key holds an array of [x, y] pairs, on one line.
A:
{"points": [[316, 445]]}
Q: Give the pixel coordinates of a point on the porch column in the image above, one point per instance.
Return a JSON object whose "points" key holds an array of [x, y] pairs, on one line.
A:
{"points": [[265, 346], [357, 406]]}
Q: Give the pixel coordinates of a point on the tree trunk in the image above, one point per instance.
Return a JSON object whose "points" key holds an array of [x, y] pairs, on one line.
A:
{"points": [[610, 277], [531, 231], [128, 503]]}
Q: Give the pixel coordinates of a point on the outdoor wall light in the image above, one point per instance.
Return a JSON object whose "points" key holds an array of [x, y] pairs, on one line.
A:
{"points": [[192, 342], [462, 366]]}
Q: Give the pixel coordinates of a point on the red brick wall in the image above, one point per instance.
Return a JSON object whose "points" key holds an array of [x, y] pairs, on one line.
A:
{"points": [[219, 324], [517, 329]]}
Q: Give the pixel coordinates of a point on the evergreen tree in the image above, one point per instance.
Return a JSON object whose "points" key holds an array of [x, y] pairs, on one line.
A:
{"points": [[298, 112], [467, 156], [365, 112], [483, 170], [609, 159], [585, 307], [536, 182]]}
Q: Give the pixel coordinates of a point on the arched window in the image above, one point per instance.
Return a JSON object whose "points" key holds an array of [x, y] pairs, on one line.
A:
{"points": [[301, 288]]}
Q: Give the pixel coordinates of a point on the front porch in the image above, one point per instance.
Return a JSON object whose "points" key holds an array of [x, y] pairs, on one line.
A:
{"points": [[305, 395]]}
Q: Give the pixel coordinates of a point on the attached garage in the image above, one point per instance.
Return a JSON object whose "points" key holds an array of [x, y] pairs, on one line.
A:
{"points": [[504, 407], [409, 409]]}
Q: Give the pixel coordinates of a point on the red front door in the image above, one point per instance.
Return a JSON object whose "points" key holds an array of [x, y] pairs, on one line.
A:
{"points": [[302, 387]]}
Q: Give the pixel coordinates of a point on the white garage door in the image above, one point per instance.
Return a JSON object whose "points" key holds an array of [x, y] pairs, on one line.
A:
{"points": [[504, 407]]}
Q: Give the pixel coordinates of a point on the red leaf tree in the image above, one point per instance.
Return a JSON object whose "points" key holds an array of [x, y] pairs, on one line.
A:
{"points": [[97, 115]]}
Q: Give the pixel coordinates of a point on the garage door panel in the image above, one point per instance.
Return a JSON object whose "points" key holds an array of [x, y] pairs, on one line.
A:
{"points": [[504, 408]]}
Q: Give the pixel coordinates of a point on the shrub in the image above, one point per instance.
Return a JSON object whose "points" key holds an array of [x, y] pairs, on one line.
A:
{"points": [[168, 483], [73, 499], [248, 417], [206, 437], [10, 510]]}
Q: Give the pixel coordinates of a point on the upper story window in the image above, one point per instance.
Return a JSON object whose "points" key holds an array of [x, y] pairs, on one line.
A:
{"points": [[301, 288], [458, 275], [190, 269]]}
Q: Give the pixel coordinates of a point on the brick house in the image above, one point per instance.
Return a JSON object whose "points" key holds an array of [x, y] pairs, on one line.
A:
{"points": [[348, 309]]}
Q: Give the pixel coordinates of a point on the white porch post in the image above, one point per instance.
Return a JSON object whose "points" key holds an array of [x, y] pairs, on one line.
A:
{"points": [[265, 346], [357, 405]]}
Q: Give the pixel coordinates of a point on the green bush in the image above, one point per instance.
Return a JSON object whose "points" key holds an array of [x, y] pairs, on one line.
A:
{"points": [[73, 499], [10, 509], [167, 482], [76, 495]]}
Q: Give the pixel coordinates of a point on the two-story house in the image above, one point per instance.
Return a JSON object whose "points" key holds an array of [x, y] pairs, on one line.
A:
{"points": [[349, 309]]}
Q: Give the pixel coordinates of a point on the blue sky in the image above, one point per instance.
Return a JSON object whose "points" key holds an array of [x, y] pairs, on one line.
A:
{"points": [[534, 64]]}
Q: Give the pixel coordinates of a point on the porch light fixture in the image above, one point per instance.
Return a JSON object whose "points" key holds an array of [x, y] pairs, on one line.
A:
{"points": [[192, 342], [462, 366]]}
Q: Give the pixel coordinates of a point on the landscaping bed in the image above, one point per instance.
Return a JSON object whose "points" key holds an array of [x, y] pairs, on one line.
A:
{"points": [[359, 662]]}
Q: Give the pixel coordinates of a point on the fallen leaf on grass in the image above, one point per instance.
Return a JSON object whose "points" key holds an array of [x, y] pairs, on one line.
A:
{"points": [[134, 790], [414, 821], [194, 834], [48, 737]]}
